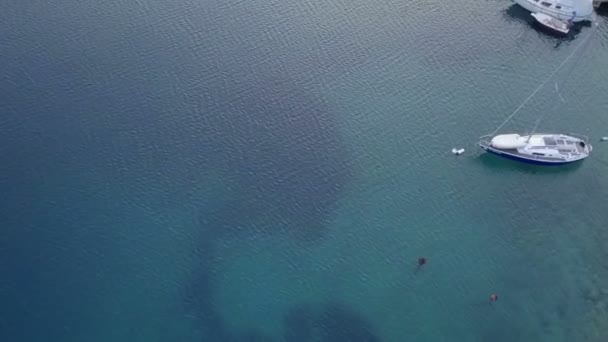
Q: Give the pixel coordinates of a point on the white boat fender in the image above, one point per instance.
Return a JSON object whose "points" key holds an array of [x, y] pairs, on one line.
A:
{"points": [[458, 151], [604, 139]]}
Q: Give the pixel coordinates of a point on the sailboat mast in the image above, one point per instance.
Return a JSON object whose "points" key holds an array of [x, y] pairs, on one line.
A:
{"points": [[542, 83], [534, 129]]}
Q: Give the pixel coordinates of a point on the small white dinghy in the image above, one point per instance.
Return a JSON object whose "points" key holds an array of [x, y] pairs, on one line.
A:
{"points": [[458, 151], [552, 23]]}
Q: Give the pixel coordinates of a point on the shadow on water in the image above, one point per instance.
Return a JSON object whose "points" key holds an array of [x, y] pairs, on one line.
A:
{"points": [[198, 304], [197, 297], [501, 333], [334, 322], [331, 322], [506, 165], [283, 154], [518, 13], [286, 167]]}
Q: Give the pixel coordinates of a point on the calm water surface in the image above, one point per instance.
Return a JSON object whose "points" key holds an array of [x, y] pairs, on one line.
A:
{"points": [[271, 170]]}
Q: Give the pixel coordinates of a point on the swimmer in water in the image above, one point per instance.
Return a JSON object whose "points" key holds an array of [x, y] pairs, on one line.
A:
{"points": [[421, 262], [493, 297]]}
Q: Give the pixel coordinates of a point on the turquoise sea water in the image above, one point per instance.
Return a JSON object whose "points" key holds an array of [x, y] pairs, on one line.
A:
{"points": [[272, 170]]}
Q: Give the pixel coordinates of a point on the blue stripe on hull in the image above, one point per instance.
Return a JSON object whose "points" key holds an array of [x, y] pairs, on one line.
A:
{"points": [[529, 161]]}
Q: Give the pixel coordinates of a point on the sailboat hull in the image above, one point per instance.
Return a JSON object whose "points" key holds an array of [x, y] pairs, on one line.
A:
{"points": [[527, 160]]}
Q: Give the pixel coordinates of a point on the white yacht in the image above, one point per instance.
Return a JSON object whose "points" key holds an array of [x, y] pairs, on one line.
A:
{"points": [[565, 10]]}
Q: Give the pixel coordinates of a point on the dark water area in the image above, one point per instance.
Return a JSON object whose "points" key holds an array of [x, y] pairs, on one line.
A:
{"points": [[271, 171]]}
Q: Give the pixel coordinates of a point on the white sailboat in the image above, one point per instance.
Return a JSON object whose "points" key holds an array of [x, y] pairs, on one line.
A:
{"points": [[539, 148], [564, 10]]}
